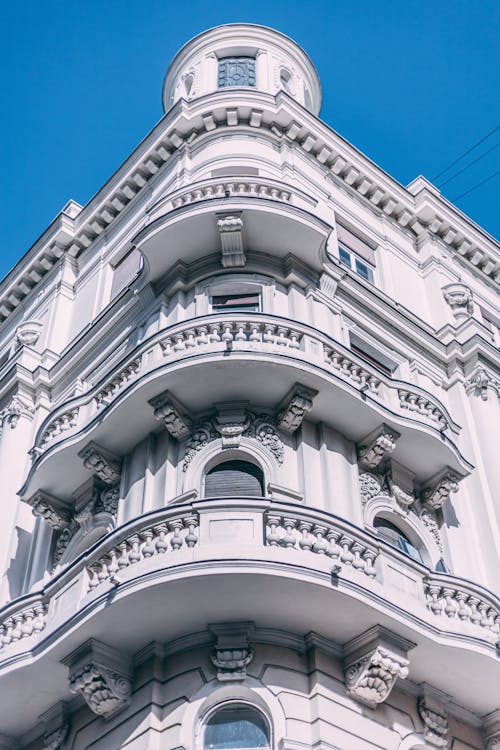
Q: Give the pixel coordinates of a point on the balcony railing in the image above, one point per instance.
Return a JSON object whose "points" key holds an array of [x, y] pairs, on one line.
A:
{"points": [[285, 534], [256, 332]]}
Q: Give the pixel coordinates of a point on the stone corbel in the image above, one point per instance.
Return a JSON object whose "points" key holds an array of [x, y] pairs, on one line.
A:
{"points": [[102, 463], [376, 447], [102, 676], [439, 489], [491, 730], [431, 709], [17, 407], [173, 415], [231, 422], [373, 661], [50, 508], [232, 652], [230, 229], [294, 407], [56, 727], [459, 298]]}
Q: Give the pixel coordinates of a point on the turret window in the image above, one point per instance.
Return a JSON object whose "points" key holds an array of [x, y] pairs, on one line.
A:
{"points": [[395, 537], [236, 727], [236, 71], [234, 479], [236, 302]]}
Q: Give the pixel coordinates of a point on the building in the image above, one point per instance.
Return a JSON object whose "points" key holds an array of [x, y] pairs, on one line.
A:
{"points": [[249, 474]]}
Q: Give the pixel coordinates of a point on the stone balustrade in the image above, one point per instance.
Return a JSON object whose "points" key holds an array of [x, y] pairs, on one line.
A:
{"points": [[23, 623], [230, 331], [423, 406], [105, 395], [234, 187], [298, 532], [350, 368], [158, 539], [446, 599], [63, 422]]}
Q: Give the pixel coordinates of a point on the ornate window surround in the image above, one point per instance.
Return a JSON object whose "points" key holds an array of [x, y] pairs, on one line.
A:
{"points": [[234, 283]]}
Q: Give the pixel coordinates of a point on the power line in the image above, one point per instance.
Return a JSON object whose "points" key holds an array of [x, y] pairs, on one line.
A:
{"points": [[466, 153], [469, 165], [487, 179]]}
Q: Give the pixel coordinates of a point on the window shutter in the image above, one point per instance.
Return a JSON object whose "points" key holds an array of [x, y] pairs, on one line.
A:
{"points": [[234, 478]]}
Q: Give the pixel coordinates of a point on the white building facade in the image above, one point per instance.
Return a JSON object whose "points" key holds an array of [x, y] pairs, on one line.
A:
{"points": [[249, 397]]}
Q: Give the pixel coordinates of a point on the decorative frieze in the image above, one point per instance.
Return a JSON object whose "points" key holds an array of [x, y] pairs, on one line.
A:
{"points": [[233, 652], [431, 711], [231, 240], [102, 676], [101, 462], [16, 408], [294, 407], [50, 509], [459, 298], [439, 490], [376, 447], [169, 411], [373, 661]]}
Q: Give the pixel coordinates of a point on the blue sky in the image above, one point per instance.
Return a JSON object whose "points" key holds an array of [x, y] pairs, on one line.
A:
{"points": [[411, 84]]}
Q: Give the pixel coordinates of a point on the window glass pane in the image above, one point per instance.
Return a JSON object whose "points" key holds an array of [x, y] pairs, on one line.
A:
{"points": [[238, 727], [236, 71], [345, 257], [363, 270], [395, 537], [235, 302]]}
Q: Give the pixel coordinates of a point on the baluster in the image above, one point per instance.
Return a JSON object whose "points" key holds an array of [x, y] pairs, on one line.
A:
{"points": [[450, 605], [202, 335], [27, 626], [176, 540], [336, 360], [475, 616], [161, 542], [463, 611], [358, 563], [148, 548], [272, 536], [421, 406], [320, 545], [191, 523], [166, 345], [282, 338], [123, 560], [483, 610], [346, 367], [363, 379], [134, 555], [289, 540], [214, 332], [355, 369], [240, 335], [254, 332], [373, 384], [190, 342], [228, 332], [294, 340], [436, 602], [268, 336], [346, 555], [3, 631], [370, 556], [113, 564], [39, 621], [334, 549], [9, 626], [179, 342], [93, 579], [16, 632], [102, 573], [412, 402], [305, 541]]}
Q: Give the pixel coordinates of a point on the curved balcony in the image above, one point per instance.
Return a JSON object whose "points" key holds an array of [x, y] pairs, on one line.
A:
{"points": [[352, 397], [172, 571]]}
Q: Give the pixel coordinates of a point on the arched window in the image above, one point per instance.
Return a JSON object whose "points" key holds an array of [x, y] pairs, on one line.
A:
{"points": [[235, 727], [285, 79], [395, 537], [234, 478]]}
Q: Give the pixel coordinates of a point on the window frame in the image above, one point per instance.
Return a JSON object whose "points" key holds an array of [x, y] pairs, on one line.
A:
{"points": [[353, 261], [228, 704], [403, 537]]}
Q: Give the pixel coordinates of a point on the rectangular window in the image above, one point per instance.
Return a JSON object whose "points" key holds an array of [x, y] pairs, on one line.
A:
{"points": [[369, 359], [236, 303], [360, 267], [236, 71]]}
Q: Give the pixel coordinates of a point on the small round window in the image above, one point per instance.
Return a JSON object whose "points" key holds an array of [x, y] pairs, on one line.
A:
{"points": [[236, 727]]}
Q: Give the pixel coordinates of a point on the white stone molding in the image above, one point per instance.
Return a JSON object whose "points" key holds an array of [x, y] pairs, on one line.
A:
{"points": [[50, 508], [17, 407], [56, 727], [28, 333], [232, 652], [102, 676], [294, 407], [491, 730], [231, 422], [376, 447], [169, 410], [481, 382], [459, 298], [439, 489], [231, 239], [101, 462], [431, 709], [373, 661]]}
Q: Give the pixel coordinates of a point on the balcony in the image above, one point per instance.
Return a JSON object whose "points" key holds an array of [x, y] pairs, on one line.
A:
{"points": [[262, 357], [289, 567]]}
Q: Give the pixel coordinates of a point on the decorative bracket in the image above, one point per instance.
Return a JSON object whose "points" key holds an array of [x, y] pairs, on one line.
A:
{"points": [[102, 463], [373, 661], [432, 712], [231, 422], [231, 240], [17, 407], [377, 446], [459, 298], [102, 676], [480, 381], [56, 727], [172, 413], [293, 408], [232, 653], [50, 508], [439, 489]]}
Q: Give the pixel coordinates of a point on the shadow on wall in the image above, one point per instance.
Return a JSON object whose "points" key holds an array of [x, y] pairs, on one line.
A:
{"points": [[16, 572]]}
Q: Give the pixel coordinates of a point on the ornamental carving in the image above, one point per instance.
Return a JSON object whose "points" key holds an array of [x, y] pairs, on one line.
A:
{"points": [[102, 676], [16, 408], [372, 454], [260, 427], [429, 519], [371, 485], [169, 411], [50, 509], [292, 410], [436, 723], [373, 662], [28, 333], [231, 240], [481, 382], [459, 298], [493, 743], [440, 490], [232, 653], [54, 740], [102, 463]]}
